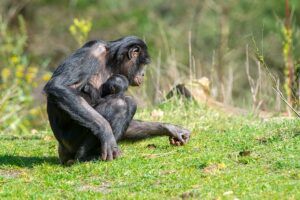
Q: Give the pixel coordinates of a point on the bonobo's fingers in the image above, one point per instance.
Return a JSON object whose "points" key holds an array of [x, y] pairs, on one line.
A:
{"points": [[109, 154], [109, 151], [178, 136], [70, 162], [176, 142], [172, 140], [104, 151], [186, 137], [180, 139], [116, 153]]}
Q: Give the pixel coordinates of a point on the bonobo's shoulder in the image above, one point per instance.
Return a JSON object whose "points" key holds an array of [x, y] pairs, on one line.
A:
{"points": [[94, 43], [95, 48], [98, 50]]}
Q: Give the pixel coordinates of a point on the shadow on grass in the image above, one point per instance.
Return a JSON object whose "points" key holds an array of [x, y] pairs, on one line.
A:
{"points": [[28, 162]]}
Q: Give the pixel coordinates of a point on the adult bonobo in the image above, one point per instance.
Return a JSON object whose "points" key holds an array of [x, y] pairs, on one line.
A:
{"points": [[75, 121]]}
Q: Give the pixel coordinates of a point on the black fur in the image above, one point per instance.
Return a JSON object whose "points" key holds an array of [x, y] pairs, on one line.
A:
{"points": [[86, 124], [73, 120], [114, 107], [115, 85]]}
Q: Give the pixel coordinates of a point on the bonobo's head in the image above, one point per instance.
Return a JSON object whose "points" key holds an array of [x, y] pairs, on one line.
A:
{"points": [[128, 56], [116, 84]]}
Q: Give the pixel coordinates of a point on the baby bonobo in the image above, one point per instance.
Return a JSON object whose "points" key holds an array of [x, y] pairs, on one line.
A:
{"points": [[111, 92], [116, 85]]}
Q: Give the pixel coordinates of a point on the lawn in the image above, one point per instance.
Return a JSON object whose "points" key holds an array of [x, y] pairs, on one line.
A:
{"points": [[228, 157]]}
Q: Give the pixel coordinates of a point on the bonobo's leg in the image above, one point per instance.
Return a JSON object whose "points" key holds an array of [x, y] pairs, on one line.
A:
{"points": [[118, 112], [139, 130], [68, 133], [65, 157], [89, 150]]}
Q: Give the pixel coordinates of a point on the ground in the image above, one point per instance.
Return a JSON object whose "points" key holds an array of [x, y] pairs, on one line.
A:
{"points": [[227, 158]]}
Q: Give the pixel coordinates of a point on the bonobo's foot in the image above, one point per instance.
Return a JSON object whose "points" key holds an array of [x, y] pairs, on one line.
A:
{"points": [[178, 135], [69, 163], [110, 150]]}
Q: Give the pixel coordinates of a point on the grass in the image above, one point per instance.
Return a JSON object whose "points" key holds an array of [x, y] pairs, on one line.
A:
{"points": [[226, 158]]}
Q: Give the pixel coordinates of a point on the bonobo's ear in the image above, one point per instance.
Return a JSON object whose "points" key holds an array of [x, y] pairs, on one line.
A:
{"points": [[134, 52]]}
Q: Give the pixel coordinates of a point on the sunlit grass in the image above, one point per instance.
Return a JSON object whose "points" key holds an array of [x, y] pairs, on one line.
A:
{"points": [[227, 157]]}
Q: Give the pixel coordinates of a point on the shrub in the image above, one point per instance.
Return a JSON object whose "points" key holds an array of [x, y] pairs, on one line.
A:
{"points": [[18, 79]]}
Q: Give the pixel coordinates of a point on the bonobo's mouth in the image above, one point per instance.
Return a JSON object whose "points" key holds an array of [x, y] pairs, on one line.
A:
{"points": [[137, 81]]}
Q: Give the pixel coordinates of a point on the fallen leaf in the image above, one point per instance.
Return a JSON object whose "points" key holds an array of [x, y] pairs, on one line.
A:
{"points": [[245, 153], [48, 138], [167, 172], [151, 146], [150, 156], [187, 195], [262, 140], [214, 168], [228, 193]]}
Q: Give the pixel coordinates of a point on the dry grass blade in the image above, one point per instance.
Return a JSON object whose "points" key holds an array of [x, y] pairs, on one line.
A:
{"points": [[9, 93], [285, 101], [272, 77]]}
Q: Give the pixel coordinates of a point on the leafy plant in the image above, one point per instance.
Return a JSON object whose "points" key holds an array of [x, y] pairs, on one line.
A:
{"points": [[80, 29], [18, 79]]}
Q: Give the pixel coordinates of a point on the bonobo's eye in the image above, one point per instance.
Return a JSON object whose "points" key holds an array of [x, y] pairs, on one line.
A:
{"points": [[134, 52]]}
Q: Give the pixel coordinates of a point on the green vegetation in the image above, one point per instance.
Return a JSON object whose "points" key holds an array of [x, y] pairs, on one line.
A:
{"points": [[19, 78], [220, 31], [226, 158]]}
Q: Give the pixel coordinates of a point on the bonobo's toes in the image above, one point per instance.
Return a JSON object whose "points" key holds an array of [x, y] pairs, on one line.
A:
{"points": [[176, 141], [117, 153], [69, 162]]}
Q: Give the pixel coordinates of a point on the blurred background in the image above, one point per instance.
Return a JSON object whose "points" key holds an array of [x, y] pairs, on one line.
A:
{"points": [[248, 51]]}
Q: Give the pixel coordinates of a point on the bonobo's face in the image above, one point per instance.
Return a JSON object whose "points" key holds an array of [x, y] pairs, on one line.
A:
{"points": [[134, 64]]}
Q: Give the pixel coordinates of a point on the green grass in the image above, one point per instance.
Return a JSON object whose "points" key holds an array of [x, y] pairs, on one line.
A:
{"points": [[226, 158]]}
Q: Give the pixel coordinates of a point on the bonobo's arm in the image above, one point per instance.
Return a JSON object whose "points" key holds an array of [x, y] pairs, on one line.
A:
{"points": [[140, 130], [68, 99]]}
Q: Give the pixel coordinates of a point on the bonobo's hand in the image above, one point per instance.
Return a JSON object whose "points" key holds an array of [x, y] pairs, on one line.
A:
{"points": [[178, 135], [110, 149]]}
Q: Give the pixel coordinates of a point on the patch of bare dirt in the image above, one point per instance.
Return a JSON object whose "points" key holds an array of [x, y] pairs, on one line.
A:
{"points": [[103, 188], [9, 173]]}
